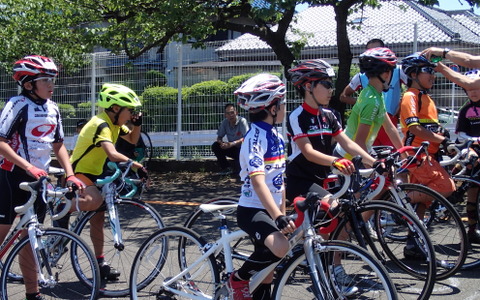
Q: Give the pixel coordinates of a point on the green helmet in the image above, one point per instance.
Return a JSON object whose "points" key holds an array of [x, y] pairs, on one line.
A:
{"points": [[117, 94]]}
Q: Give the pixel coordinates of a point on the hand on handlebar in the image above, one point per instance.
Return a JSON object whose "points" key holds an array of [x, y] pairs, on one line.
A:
{"points": [[75, 183], [36, 172], [344, 165], [285, 224]]}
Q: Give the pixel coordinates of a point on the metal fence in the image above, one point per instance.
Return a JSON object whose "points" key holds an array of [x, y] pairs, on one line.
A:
{"points": [[183, 124]]}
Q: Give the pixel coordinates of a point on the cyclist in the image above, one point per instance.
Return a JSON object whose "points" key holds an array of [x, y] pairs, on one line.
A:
{"points": [[419, 120], [369, 112], [391, 97], [311, 127], [95, 144], [468, 127], [30, 128], [261, 208]]}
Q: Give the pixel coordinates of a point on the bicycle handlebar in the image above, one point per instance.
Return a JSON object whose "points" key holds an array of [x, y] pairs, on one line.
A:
{"points": [[41, 186]]}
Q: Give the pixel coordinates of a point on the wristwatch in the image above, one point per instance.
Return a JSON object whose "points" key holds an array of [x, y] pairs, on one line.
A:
{"points": [[445, 51]]}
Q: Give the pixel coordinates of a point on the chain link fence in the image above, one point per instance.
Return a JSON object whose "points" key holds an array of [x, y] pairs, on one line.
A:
{"points": [[182, 122]]}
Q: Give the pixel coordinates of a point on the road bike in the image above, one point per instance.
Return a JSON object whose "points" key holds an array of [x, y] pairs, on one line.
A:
{"points": [[128, 222], [189, 269], [443, 223], [64, 270]]}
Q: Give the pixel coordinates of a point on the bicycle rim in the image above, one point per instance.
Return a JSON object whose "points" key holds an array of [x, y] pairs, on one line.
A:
{"points": [[367, 279], [138, 221], [445, 228], [69, 275], [405, 273], [153, 267]]}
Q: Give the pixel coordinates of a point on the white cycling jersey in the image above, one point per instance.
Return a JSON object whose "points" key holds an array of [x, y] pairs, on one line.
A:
{"points": [[30, 129], [262, 152]]}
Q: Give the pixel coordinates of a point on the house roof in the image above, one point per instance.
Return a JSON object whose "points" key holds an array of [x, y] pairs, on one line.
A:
{"points": [[393, 22]]}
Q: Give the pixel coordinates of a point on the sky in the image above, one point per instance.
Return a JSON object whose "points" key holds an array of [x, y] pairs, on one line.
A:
{"points": [[455, 5], [444, 4]]}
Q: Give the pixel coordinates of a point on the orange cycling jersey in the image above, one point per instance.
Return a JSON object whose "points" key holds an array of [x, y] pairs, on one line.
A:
{"points": [[417, 108]]}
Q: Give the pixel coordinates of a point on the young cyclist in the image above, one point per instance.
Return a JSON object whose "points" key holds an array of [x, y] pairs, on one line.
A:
{"points": [[369, 113], [391, 97], [261, 209], [419, 119], [30, 128], [95, 144], [311, 127], [468, 127]]}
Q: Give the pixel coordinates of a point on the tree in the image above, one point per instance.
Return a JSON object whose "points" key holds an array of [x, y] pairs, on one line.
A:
{"points": [[66, 29]]}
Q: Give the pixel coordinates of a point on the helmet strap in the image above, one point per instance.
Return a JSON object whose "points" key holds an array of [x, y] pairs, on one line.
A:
{"points": [[32, 95]]}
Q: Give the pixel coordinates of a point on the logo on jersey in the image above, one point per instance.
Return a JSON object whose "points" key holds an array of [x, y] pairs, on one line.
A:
{"points": [[256, 161], [278, 181], [43, 130]]}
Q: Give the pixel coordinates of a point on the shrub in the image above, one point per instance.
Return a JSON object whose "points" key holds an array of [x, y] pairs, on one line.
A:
{"points": [[159, 105]]}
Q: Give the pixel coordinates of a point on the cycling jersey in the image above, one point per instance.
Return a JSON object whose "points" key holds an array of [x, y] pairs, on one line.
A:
{"points": [[414, 112], [370, 110], [88, 157], [469, 119], [319, 126], [393, 96], [262, 152], [30, 129]]}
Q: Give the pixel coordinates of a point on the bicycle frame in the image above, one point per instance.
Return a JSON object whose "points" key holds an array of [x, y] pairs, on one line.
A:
{"points": [[29, 222]]}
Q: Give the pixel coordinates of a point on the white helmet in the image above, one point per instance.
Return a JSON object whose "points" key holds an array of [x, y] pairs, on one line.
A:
{"points": [[260, 91]]}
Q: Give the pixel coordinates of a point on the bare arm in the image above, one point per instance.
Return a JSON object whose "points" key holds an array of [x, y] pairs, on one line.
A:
{"points": [[425, 134], [133, 136], [115, 156], [458, 78], [392, 132], [313, 155], [346, 95], [261, 189], [457, 57], [7, 152], [62, 156], [354, 149]]}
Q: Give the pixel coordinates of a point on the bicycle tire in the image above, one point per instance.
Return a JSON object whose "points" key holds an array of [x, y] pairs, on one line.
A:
{"points": [[76, 273], [152, 266], [472, 260], [138, 220], [390, 251], [203, 223], [147, 148], [295, 282], [445, 227]]}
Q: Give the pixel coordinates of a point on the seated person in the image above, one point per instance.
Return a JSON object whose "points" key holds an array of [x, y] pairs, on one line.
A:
{"points": [[234, 127]]}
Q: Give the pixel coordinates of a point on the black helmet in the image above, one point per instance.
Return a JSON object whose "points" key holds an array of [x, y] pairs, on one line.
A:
{"points": [[310, 71], [414, 62], [376, 61]]}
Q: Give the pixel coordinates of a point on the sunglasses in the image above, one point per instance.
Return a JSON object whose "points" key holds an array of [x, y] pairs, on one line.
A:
{"points": [[46, 79], [429, 70], [327, 84]]}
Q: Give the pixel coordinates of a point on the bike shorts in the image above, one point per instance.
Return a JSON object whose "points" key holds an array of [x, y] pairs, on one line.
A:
{"points": [[257, 223], [12, 196], [300, 187]]}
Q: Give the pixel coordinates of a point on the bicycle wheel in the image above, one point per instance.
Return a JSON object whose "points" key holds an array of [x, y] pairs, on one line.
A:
{"points": [[144, 149], [138, 220], [207, 224], [362, 270], [153, 267], [444, 225], [67, 273], [405, 273]]}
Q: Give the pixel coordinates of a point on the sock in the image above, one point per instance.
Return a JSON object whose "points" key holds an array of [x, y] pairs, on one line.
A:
{"points": [[263, 292], [33, 296]]}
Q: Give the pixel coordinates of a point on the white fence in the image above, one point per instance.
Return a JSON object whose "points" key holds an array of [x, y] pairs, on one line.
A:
{"points": [[183, 125]]}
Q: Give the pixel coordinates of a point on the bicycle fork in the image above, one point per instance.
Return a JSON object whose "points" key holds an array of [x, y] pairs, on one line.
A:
{"points": [[109, 192], [39, 251]]}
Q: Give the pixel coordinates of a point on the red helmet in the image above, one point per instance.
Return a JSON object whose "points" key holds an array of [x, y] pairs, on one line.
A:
{"points": [[30, 66], [376, 61], [309, 71]]}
